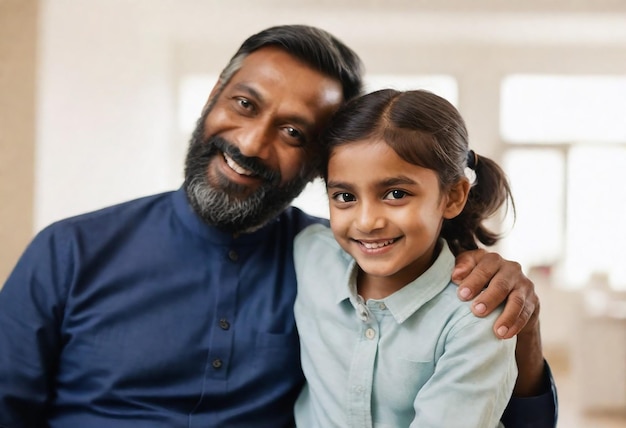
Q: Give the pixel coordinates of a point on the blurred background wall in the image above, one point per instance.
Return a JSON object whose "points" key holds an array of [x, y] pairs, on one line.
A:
{"points": [[98, 98], [18, 50]]}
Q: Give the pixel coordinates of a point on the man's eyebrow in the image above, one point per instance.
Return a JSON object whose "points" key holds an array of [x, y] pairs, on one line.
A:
{"points": [[302, 122], [308, 125], [250, 90]]}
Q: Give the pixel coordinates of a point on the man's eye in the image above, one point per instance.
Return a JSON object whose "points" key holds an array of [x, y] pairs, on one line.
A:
{"points": [[295, 135], [395, 194], [244, 103], [293, 132], [344, 197]]}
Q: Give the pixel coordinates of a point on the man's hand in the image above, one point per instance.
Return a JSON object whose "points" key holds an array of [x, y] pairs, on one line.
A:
{"points": [[504, 280]]}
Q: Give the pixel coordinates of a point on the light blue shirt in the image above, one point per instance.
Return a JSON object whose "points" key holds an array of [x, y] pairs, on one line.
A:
{"points": [[417, 358]]}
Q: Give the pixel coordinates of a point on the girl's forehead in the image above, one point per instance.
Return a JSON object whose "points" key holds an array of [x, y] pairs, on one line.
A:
{"points": [[375, 161], [368, 148], [367, 157]]}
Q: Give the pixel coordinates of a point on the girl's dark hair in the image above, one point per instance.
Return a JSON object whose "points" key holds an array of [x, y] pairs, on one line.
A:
{"points": [[314, 46], [426, 130]]}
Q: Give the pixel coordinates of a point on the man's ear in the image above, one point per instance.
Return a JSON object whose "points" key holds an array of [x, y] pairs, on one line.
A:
{"points": [[456, 198]]}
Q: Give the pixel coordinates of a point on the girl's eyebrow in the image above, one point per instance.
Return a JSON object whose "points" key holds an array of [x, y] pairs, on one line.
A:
{"points": [[339, 185], [394, 181], [389, 182]]}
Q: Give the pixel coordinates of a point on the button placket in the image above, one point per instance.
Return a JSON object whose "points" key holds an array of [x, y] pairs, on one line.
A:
{"points": [[224, 324], [360, 378], [233, 256], [222, 330]]}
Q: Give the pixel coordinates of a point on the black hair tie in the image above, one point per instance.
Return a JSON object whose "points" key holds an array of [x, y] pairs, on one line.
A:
{"points": [[472, 159]]}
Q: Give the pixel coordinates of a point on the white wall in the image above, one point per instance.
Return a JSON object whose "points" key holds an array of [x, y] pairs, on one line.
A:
{"points": [[109, 71], [105, 105]]}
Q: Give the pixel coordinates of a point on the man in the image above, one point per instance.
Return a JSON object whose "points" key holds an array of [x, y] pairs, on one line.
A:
{"points": [[176, 309]]}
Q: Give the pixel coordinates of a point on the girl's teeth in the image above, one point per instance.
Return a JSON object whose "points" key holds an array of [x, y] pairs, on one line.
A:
{"points": [[374, 245]]}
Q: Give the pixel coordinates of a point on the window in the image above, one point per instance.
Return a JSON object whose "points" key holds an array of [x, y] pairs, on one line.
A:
{"points": [[565, 153], [540, 109]]}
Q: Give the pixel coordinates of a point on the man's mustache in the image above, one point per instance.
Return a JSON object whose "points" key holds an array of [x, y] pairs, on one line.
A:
{"points": [[252, 164]]}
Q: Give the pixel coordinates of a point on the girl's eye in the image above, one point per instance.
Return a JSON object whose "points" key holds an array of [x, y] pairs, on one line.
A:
{"points": [[395, 194], [344, 197]]}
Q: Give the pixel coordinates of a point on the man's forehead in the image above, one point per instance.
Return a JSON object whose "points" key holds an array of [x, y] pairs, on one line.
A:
{"points": [[272, 74], [272, 62], [270, 54]]}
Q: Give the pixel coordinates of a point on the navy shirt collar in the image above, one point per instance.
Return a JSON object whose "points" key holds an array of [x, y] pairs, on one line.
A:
{"points": [[195, 225]]}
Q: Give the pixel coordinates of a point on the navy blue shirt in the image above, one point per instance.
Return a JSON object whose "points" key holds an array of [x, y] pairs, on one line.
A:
{"points": [[140, 315]]}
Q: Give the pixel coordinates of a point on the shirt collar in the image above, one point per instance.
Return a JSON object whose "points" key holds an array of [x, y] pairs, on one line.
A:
{"points": [[348, 291], [198, 227], [406, 301]]}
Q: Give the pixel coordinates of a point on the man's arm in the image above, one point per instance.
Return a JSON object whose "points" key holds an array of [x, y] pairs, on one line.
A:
{"points": [[534, 402], [529, 358], [30, 306], [506, 282]]}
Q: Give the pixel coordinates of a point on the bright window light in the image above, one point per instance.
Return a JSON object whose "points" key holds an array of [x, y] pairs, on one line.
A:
{"points": [[443, 85], [563, 109], [565, 159], [192, 95]]}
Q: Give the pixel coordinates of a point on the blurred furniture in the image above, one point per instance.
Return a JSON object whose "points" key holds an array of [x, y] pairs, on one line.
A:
{"points": [[599, 357]]}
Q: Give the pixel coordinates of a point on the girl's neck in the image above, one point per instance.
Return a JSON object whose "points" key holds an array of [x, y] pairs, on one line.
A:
{"points": [[375, 287], [379, 287]]}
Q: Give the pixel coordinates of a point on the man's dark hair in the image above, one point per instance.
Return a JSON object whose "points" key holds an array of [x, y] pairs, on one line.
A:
{"points": [[313, 46]]}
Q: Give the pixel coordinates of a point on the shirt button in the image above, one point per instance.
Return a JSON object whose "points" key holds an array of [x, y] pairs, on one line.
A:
{"points": [[224, 324], [362, 311], [382, 306], [217, 363], [233, 256], [370, 333], [359, 389]]}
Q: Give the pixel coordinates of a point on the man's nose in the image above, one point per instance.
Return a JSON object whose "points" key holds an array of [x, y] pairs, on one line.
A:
{"points": [[256, 140]]}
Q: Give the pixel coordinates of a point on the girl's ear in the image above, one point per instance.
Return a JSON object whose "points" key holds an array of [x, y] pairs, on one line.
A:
{"points": [[456, 198]]}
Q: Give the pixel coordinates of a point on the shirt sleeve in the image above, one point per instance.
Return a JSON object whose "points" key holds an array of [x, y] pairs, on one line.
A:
{"points": [[537, 412], [30, 312], [473, 378]]}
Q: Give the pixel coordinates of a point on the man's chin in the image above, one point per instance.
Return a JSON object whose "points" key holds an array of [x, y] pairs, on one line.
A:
{"points": [[237, 191], [235, 207]]}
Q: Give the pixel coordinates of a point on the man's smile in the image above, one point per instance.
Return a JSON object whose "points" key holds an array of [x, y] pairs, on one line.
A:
{"points": [[236, 167]]}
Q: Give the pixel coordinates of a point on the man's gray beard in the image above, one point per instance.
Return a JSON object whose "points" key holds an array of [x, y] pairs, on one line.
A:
{"points": [[221, 206], [216, 207]]}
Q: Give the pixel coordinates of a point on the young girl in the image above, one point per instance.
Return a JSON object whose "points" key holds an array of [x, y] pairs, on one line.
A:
{"points": [[385, 340]]}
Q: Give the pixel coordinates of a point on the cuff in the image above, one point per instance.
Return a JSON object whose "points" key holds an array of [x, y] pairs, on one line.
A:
{"points": [[540, 411]]}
